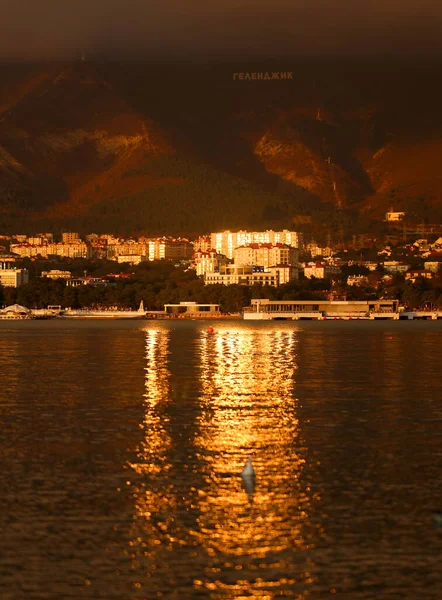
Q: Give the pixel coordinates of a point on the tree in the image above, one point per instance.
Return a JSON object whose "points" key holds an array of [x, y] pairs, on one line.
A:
{"points": [[429, 299], [411, 297]]}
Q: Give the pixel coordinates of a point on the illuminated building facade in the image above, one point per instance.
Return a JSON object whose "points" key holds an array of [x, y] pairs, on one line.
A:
{"points": [[13, 277], [208, 262], [266, 255], [320, 270], [225, 242], [251, 275]]}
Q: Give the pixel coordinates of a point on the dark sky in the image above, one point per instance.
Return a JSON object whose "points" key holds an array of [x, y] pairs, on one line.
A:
{"points": [[219, 28]]}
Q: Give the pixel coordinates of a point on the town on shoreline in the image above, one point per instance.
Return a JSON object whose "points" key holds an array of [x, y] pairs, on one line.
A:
{"points": [[227, 269]]}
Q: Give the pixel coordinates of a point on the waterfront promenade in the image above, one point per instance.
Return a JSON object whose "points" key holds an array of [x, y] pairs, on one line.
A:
{"points": [[260, 310], [295, 310]]}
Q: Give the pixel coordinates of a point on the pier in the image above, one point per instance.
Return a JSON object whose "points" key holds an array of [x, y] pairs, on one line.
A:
{"points": [[333, 310], [421, 315], [295, 310]]}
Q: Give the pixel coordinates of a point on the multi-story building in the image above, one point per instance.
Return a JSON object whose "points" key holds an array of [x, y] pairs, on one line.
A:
{"points": [[128, 248], [208, 262], [394, 266], [320, 270], [69, 250], [316, 250], [132, 259], [13, 277], [170, 249], [225, 242], [94, 281], [414, 274], [157, 250], [24, 250], [251, 275], [56, 274], [267, 255], [153, 249], [286, 273], [36, 240], [203, 244], [69, 236], [98, 245]]}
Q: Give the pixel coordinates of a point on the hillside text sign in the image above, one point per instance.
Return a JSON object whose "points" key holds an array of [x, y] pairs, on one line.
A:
{"points": [[263, 76]]}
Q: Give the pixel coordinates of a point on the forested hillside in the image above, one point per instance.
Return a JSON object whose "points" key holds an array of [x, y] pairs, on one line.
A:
{"points": [[158, 148]]}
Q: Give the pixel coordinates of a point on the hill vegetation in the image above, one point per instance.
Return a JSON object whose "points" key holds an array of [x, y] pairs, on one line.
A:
{"points": [[180, 149]]}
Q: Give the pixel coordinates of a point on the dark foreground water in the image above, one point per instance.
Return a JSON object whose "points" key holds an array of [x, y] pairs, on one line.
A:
{"points": [[121, 445]]}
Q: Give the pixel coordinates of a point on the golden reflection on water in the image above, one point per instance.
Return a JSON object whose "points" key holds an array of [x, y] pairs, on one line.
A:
{"points": [[250, 410], [152, 453], [239, 539]]}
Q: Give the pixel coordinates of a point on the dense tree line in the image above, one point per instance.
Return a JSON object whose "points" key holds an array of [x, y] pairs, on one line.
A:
{"points": [[156, 283], [183, 192], [159, 283]]}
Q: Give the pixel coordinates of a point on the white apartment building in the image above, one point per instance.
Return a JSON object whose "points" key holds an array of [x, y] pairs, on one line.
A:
{"points": [[414, 274], [70, 250], [266, 255], [128, 248], [286, 273], [154, 249], [25, 250], [394, 266], [56, 274], [13, 277], [225, 242], [35, 240], [170, 249], [69, 236], [202, 243], [133, 259], [320, 270], [99, 247], [316, 250], [249, 275], [208, 262]]}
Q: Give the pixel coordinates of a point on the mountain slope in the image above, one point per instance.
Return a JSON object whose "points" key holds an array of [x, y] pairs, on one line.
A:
{"points": [[156, 148]]}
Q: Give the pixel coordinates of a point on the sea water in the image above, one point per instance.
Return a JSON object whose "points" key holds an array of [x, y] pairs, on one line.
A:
{"points": [[122, 445]]}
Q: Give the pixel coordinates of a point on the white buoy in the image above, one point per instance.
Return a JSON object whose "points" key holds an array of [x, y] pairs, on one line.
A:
{"points": [[248, 470], [248, 478]]}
